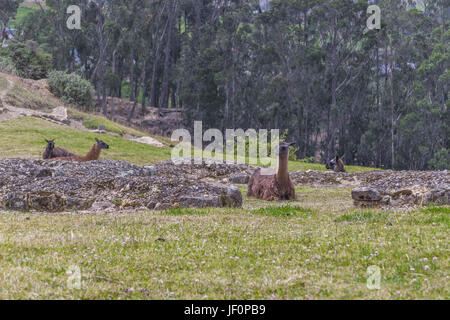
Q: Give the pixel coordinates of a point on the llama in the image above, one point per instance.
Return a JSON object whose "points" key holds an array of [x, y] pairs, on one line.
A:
{"points": [[51, 152], [92, 155], [277, 186], [336, 164]]}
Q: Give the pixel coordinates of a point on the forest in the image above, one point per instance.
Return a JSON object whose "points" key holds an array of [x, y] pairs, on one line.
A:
{"points": [[307, 67]]}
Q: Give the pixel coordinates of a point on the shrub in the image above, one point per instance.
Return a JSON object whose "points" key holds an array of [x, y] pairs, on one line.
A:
{"points": [[72, 89], [29, 61]]}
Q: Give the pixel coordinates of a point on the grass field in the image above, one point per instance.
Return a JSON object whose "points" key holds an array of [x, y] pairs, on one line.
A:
{"points": [[317, 247]]}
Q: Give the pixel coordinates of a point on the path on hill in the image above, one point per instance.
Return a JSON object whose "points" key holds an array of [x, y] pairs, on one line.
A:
{"points": [[58, 115], [8, 111]]}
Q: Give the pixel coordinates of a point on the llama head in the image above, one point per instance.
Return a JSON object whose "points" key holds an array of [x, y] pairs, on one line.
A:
{"points": [[333, 163], [283, 148], [101, 144], [50, 144]]}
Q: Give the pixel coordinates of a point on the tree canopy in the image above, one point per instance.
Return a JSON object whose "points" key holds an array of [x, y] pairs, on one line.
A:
{"points": [[306, 66]]}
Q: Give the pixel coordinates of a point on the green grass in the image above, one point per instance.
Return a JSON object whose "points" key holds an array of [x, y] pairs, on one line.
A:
{"points": [[436, 210], [304, 166], [364, 216], [282, 212], [25, 137], [247, 253]]}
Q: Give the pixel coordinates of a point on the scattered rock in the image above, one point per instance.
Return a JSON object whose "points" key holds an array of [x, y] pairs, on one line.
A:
{"points": [[59, 114], [200, 202], [239, 178], [366, 194], [404, 197], [149, 141], [439, 196]]}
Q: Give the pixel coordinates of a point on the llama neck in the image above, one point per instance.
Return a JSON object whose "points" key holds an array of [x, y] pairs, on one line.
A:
{"points": [[94, 153], [283, 173]]}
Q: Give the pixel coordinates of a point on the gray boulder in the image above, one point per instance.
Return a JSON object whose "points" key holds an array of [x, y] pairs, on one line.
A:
{"points": [[239, 178]]}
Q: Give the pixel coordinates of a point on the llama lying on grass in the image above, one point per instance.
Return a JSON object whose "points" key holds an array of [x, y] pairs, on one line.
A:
{"points": [[277, 186], [336, 164], [92, 155], [51, 152]]}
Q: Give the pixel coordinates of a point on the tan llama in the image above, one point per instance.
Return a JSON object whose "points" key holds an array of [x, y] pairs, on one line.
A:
{"points": [[92, 155], [277, 186]]}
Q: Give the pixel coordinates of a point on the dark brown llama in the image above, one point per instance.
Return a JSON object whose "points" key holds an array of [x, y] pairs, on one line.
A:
{"points": [[51, 152], [336, 164], [277, 186], [92, 155]]}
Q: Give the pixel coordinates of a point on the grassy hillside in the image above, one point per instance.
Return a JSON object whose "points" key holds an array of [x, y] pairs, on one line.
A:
{"points": [[25, 137]]}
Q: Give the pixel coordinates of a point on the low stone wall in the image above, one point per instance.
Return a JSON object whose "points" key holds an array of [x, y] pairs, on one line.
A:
{"points": [[369, 197], [58, 186]]}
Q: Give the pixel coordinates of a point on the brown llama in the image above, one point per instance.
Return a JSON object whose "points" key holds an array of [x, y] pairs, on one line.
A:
{"points": [[277, 186], [336, 164], [92, 155], [51, 152]]}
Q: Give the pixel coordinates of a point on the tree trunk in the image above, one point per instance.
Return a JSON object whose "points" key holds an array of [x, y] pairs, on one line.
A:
{"points": [[165, 83], [144, 86], [153, 100]]}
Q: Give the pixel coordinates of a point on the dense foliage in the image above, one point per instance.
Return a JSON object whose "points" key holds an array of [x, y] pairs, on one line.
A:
{"points": [[29, 61], [307, 66], [72, 88]]}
